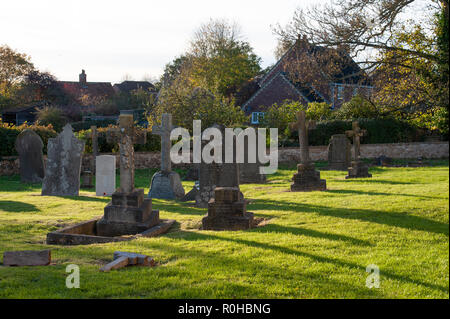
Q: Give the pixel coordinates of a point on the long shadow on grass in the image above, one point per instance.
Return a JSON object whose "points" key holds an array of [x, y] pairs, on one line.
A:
{"points": [[354, 192], [402, 220], [227, 264], [17, 207], [321, 259], [310, 233], [85, 198]]}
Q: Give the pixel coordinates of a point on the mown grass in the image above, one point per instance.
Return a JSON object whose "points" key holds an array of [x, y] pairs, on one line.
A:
{"points": [[315, 245]]}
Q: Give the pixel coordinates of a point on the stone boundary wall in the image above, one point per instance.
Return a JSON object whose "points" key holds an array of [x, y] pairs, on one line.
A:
{"points": [[426, 150]]}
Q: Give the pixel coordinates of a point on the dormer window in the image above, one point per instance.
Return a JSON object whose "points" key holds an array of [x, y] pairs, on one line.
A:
{"points": [[256, 117], [340, 92]]}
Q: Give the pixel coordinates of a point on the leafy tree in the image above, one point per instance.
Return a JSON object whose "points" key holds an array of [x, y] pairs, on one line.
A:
{"points": [[13, 67], [51, 115], [358, 107], [318, 111]]}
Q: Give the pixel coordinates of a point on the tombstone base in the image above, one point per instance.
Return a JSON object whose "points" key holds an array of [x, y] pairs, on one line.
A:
{"points": [[227, 211], [358, 170], [307, 179], [166, 186], [127, 214]]}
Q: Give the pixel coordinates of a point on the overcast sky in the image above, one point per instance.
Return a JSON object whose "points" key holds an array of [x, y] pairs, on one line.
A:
{"points": [[110, 38]]}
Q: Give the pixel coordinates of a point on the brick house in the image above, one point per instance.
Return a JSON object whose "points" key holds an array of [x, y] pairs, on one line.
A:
{"points": [[282, 82]]}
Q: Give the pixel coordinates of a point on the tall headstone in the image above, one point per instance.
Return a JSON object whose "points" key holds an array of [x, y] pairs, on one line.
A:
{"points": [[29, 146], [166, 183], [212, 175], [339, 153], [307, 177], [128, 212], [62, 171], [357, 169], [249, 172], [105, 175]]}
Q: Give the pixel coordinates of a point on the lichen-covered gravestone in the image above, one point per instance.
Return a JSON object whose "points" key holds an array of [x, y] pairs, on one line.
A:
{"points": [[249, 173], [306, 178], [339, 153], [165, 184], [29, 146], [358, 169], [212, 175], [62, 171]]}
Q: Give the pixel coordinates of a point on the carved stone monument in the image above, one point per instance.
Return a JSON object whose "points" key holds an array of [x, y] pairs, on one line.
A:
{"points": [[165, 184], [62, 171], [339, 153], [87, 174], [307, 177], [29, 146], [128, 212], [357, 169]]}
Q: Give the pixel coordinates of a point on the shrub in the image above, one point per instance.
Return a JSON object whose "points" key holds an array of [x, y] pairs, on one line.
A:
{"points": [[9, 133], [51, 115], [378, 131], [358, 107]]}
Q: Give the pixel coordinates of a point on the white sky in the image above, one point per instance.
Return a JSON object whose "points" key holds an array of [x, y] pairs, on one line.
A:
{"points": [[112, 38]]}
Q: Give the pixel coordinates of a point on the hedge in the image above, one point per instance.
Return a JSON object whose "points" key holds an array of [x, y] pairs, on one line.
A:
{"points": [[378, 131], [9, 133], [80, 126], [153, 142]]}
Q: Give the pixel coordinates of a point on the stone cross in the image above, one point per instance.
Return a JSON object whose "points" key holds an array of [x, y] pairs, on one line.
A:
{"points": [[303, 126], [164, 131], [356, 133], [126, 135]]}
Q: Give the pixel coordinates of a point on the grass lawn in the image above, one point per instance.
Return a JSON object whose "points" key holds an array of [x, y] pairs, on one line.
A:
{"points": [[315, 245]]}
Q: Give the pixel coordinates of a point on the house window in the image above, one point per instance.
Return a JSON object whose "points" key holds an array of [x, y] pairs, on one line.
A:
{"points": [[340, 92], [256, 117]]}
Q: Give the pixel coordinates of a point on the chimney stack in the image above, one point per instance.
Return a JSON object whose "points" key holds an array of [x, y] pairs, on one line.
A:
{"points": [[82, 77]]}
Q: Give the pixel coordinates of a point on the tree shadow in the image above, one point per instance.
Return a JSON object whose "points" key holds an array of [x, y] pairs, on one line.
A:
{"points": [[348, 191], [323, 259], [310, 233], [17, 207], [372, 181], [85, 198], [403, 220]]}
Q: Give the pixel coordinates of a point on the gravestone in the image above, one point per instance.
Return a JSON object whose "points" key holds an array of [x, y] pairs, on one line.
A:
{"points": [[249, 172], [227, 211], [357, 169], [29, 146], [87, 174], [212, 175], [62, 171], [307, 177], [129, 212], [165, 184], [339, 153], [105, 175]]}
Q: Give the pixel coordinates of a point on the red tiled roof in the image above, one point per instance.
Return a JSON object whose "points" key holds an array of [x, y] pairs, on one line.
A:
{"points": [[93, 89]]}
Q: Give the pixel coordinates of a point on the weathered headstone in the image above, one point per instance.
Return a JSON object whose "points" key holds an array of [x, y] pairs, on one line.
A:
{"points": [[165, 184], [212, 175], [62, 171], [339, 153], [29, 146], [227, 211], [249, 172], [306, 178], [358, 169], [27, 258], [129, 212], [105, 175]]}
